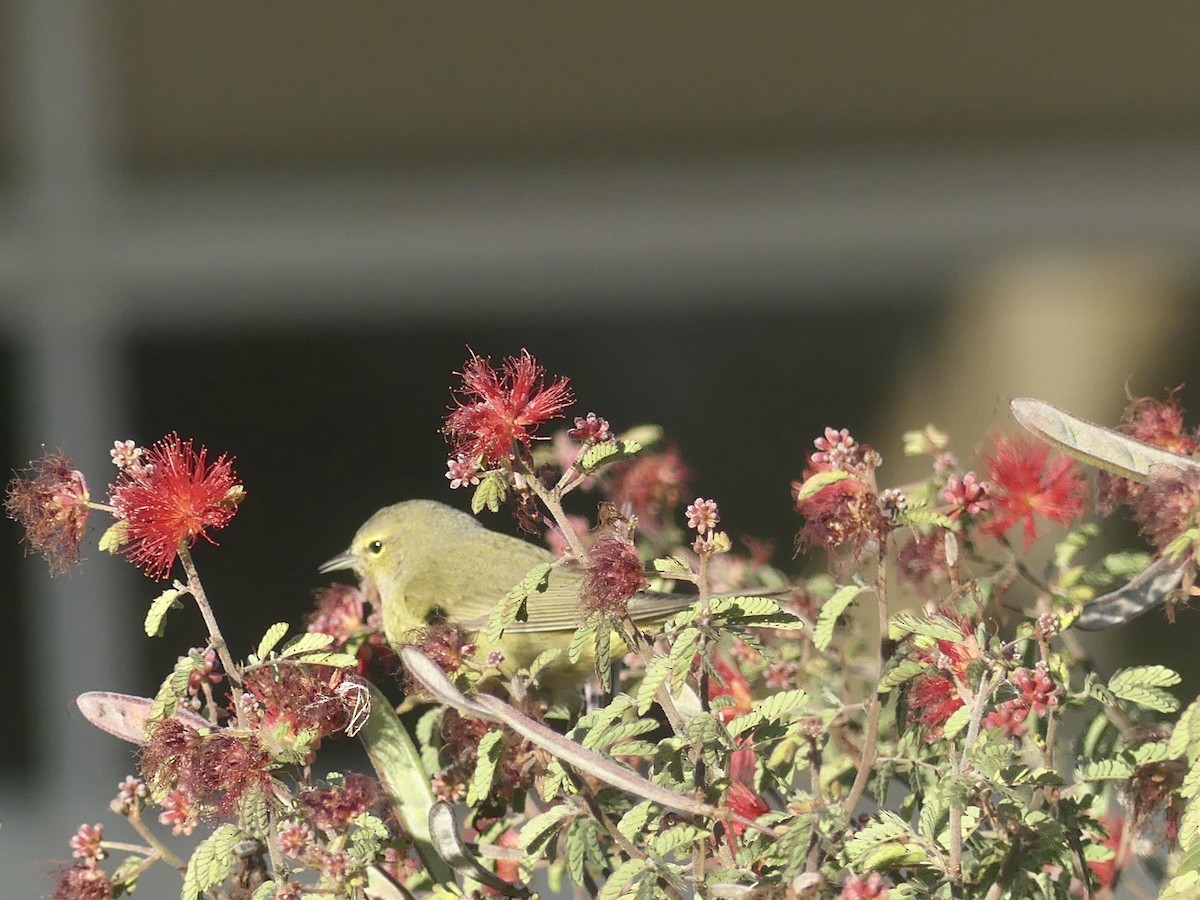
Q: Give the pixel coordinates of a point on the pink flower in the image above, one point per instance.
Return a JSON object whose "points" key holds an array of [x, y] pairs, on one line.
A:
{"points": [[967, 495], [651, 484], [50, 501], [85, 843], [462, 471], [590, 429], [1028, 483], [172, 499], [702, 515], [179, 811], [500, 410]]}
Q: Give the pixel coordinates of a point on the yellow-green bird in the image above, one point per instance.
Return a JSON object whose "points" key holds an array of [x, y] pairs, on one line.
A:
{"points": [[431, 563]]}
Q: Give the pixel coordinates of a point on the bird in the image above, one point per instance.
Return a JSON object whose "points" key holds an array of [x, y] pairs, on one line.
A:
{"points": [[432, 564]]}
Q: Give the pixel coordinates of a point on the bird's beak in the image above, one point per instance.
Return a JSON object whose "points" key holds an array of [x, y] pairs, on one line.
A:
{"points": [[344, 560]]}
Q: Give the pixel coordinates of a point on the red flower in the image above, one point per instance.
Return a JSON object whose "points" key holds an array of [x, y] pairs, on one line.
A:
{"points": [[1027, 482], [50, 500], [1105, 870], [172, 499], [743, 801], [730, 683], [500, 409], [934, 698], [873, 887]]}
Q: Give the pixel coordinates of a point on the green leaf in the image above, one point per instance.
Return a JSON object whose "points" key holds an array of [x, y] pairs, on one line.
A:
{"points": [[900, 673], [831, 611], [211, 862], [253, 815], [607, 452], [398, 767], [490, 493], [676, 838], [114, 536], [581, 639], [770, 709], [537, 828], [582, 846], [265, 891], [603, 658], [814, 484], [957, 722], [752, 612], [624, 876], [328, 658], [887, 827], [656, 673], [1075, 541], [1185, 739], [1104, 770], [543, 659], [669, 565], [509, 608], [273, 636], [174, 687], [159, 607], [306, 643], [933, 627], [633, 823], [485, 766], [1143, 677], [683, 651]]}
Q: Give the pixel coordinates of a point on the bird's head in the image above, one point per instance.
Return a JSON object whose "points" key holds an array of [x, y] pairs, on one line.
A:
{"points": [[398, 538]]}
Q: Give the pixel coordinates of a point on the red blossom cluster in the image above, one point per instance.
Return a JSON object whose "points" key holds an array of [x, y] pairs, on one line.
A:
{"points": [[83, 881], [613, 571], [211, 772], [50, 501], [1037, 693], [1155, 422], [169, 499], [872, 887], [845, 512], [519, 764], [650, 486], [164, 498], [499, 411], [337, 805], [934, 697], [1027, 481], [292, 708]]}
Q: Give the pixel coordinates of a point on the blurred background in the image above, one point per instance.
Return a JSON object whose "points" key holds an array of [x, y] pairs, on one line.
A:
{"points": [[276, 229]]}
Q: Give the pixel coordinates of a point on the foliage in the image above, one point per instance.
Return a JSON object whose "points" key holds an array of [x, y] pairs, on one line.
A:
{"points": [[920, 721]]}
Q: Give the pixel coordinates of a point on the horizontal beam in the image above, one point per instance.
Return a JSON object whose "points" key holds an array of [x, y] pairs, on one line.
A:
{"points": [[386, 247]]}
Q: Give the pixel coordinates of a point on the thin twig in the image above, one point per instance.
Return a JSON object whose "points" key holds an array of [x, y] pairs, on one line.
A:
{"points": [[872, 703]]}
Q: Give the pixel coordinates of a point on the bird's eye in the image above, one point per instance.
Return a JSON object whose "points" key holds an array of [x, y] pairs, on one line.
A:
{"points": [[375, 547]]}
